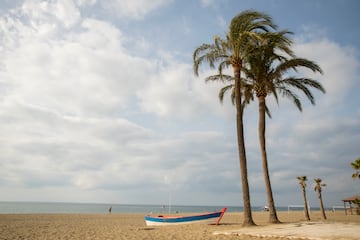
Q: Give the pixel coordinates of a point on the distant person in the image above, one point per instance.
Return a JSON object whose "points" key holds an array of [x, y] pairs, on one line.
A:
{"points": [[110, 208]]}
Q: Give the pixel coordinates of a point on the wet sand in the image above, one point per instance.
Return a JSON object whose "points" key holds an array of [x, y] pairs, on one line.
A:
{"points": [[132, 226]]}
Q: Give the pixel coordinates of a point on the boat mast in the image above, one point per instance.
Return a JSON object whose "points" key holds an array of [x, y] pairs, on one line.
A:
{"points": [[169, 202]]}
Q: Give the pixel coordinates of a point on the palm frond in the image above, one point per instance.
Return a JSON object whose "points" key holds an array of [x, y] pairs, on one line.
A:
{"points": [[291, 95], [219, 77], [267, 110], [209, 54], [295, 63], [224, 90]]}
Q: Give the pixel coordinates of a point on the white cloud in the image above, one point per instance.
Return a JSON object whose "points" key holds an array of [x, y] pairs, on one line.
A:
{"points": [[222, 23], [47, 150], [46, 12], [339, 64], [68, 82], [208, 3], [133, 9], [168, 92], [83, 72], [175, 92], [85, 2], [186, 26]]}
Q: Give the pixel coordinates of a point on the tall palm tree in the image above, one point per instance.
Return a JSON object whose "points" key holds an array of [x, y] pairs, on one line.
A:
{"points": [[244, 28], [302, 182], [318, 189], [356, 166], [265, 73]]}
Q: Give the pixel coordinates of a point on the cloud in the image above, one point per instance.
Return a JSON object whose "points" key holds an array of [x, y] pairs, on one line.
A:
{"points": [[174, 92], [46, 13], [60, 111], [106, 154], [83, 71], [133, 9], [339, 64], [222, 23], [85, 2], [84, 113], [208, 3]]}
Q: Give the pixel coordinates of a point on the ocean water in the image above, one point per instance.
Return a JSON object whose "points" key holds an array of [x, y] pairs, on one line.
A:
{"points": [[91, 208]]}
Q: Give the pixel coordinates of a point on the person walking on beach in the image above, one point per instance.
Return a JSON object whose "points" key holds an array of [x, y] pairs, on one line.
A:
{"points": [[110, 208]]}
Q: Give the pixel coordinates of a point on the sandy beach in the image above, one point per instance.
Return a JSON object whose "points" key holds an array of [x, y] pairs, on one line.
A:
{"points": [[132, 226]]}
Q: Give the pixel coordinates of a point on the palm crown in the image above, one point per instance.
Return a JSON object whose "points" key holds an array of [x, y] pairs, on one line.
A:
{"points": [[267, 67]]}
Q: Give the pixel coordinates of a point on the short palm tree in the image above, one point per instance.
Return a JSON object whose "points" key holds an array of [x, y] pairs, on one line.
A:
{"points": [[231, 52], [318, 188], [265, 75], [302, 182], [356, 166]]}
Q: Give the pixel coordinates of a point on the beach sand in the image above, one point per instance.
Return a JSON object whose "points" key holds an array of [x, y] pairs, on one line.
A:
{"points": [[132, 226]]}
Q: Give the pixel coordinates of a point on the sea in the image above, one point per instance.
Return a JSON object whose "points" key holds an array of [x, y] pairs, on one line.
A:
{"points": [[98, 208]]}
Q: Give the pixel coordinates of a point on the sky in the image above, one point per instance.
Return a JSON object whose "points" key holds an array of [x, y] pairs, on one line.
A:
{"points": [[99, 104]]}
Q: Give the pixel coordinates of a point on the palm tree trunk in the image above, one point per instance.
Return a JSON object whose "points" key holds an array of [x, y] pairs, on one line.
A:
{"points": [[262, 118], [306, 210], [322, 207], [248, 220]]}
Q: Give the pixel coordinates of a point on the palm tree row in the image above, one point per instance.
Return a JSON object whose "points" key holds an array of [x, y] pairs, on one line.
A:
{"points": [[254, 47], [318, 188]]}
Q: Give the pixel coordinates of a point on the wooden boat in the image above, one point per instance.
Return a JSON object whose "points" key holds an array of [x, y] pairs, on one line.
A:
{"points": [[210, 218]]}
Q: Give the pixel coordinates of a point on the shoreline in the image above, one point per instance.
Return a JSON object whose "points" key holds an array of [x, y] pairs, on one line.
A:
{"points": [[9, 207], [132, 226]]}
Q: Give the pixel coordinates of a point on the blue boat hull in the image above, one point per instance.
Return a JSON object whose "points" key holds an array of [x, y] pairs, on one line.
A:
{"points": [[210, 218]]}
